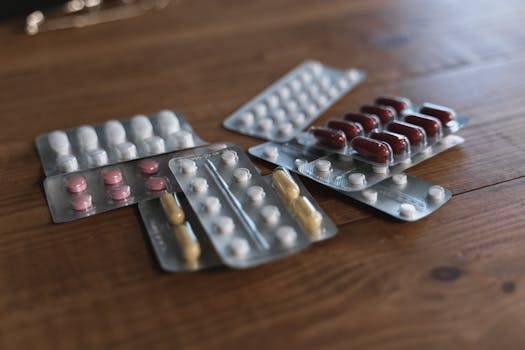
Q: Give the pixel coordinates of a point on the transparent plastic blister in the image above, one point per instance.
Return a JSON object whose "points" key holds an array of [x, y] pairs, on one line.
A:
{"points": [[282, 110], [114, 141]]}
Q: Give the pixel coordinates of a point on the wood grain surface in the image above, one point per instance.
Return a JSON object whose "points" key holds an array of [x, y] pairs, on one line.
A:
{"points": [[455, 280]]}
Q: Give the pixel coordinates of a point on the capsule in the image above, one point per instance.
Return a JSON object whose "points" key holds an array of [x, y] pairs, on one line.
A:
{"points": [[308, 215], [368, 121], [372, 150], [399, 143], [172, 210], [415, 134], [189, 245], [350, 129], [331, 138], [396, 102], [431, 125], [285, 185], [444, 114], [385, 113]]}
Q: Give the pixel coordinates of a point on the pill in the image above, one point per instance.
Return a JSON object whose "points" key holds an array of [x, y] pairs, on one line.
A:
{"points": [[385, 113], [114, 132], [303, 98], [59, 142], [372, 150], [156, 183], [291, 106], [431, 125], [67, 163], [141, 127], [229, 157], [327, 137], [120, 192], [333, 92], [239, 247], [183, 139], [350, 129], [322, 166], [322, 100], [286, 236], [313, 90], [396, 102], [415, 134], [224, 225], [260, 110], [189, 245], [295, 85], [187, 166], [270, 214], [265, 125], [356, 179], [367, 121], [325, 82], [211, 205], [255, 194], [353, 74], [199, 185], [285, 186], [81, 202], [310, 109], [98, 157], [112, 177], [149, 167], [316, 68], [306, 77], [172, 210], [298, 118], [76, 184], [308, 215], [298, 163], [399, 143], [399, 179], [154, 145], [343, 83], [436, 193], [87, 138], [126, 151], [279, 115], [407, 210], [272, 101], [246, 119], [444, 114], [284, 93], [168, 122], [285, 129], [270, 152], [370, 195], [242, 175]]}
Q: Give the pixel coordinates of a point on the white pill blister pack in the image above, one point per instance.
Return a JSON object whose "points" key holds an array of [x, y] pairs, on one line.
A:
{"points": [[282, 110], [114, 141]]}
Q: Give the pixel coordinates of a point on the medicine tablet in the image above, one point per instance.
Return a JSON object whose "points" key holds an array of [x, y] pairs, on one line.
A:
{"points": [[398, 143], [211, 205], [306, 77], [303, 98], [333, 92], [154, 145], [316, 68], [98, 157], [299, 162], [270, 214], [286, 236], [415, 134], [141, 127], [270, 152], [265, 125], [350, 129], [156, 183], [298, 118], [385, 113], [279, 115], [246, 119], [407, 210], [284, 93], [127, 151], [184, 139], [380, 169], [242, 175], [59, 142], [149, 167], [114, 132], [295, 86], [81, 202], [323, 166], [313, 90], [260, 110], [229, 157], [285, 186], [112, 177], [372, 150], [168, 122], [272, 101], [255, 194], [367, 121], [326, 82], [239, 247], [343, 83], [431, 125], [310, 109], [87, 138], [322, 100], [76, 184], [444, 114], [285, 129], [120, 192], [357, 179], [224, 225], [399, 179], [187, 166], [199, 185], [398, 103], [291, 106], [308, 215], [188, 243], [436, 193], [370, 195], [328, 137], [67, 163], [172, 210]]}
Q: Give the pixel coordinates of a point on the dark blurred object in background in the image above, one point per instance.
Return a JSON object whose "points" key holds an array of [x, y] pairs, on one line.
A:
{"points": [[15, 8]]}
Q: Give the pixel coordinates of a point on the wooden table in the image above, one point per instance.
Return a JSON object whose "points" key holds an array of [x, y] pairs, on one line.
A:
{"points": [[452, 280]]}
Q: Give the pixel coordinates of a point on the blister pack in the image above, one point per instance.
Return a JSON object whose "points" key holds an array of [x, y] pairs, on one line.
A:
{"points": [[282, 110], [246, 219], [114, 141]]}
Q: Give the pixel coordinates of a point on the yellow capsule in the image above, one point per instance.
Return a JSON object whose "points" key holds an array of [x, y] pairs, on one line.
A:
{"points": [[189, 245], [285, 185], [173, 211], [310, 218]]}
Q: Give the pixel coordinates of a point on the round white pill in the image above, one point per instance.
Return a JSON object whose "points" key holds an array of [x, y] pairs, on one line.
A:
{"points": [[322, 100], [114, 132], [343, 83], [168, 122], [284, 93], [316, 68], [286, 236], [303, 98], [270, 214], [265, 124], [356, 179], [400, 179], [199, 185], [272, 101], [407, 210], [242, 175], [59, 142], [154, 145], [353, 74], [246, 119], [313, 90], [87, 138], [436, 193], [211, 205], [141, 127], [306, 77], [285, 129], [295, 86], [184, 139], [187, 166], [239, 247], [98, 157], [291, 106], [270, 152], [255, 194], [310, 109], [224, 225], [279, 115], [260, 110], [127, 151], [298, 118], [322, 166], [67, 163], [326, 83], [370, 195], [333, 92], [299, 162], [229, 157], [380, 169]]}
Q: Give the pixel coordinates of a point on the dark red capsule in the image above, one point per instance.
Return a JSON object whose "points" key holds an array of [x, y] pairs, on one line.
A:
{"points": [[327, 137], [444, 114], [396, 102], [372, 150], [368, 121], [431, 125], [399, 143], [385, 113], [415, 134], [350, 129]]}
